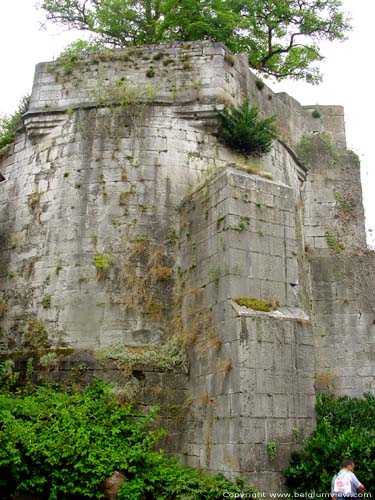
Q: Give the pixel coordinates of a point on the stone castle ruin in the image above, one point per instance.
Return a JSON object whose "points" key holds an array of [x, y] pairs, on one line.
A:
{"points": [[129, 236]]}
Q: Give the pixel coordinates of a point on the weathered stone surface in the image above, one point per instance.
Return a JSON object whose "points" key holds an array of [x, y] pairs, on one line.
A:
{"points": [[125, 223]]}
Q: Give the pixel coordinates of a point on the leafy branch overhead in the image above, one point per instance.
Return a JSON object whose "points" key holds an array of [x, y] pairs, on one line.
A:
{"points": [[281, 37], [241, 130]]}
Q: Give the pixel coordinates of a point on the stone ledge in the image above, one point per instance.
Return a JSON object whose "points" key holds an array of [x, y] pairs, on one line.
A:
{"points": [[284, 313]]}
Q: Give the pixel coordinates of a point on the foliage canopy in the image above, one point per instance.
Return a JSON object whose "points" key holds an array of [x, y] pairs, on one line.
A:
{"points": [[345, 429], [281, 37]]}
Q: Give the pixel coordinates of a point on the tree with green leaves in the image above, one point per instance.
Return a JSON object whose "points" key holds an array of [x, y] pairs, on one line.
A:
{"points": [[281, 37], [114, 23], [344, 429], [192, 20]]}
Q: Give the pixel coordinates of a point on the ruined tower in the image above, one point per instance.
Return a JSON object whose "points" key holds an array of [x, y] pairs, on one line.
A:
{"points": [[128, 233]]}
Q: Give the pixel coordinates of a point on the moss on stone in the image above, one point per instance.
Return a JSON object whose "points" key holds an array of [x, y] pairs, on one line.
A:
{"points": [[256, 304], [46, 301], [102, 263], [103, 260]]}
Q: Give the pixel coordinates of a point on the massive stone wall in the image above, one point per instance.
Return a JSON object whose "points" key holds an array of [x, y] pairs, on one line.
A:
{"points": [[127, 230], [343, 302], [88, 180], [252, 373], [342, 272]]}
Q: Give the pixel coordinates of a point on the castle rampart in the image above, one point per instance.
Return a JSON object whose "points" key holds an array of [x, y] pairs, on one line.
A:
{"points": [[128, 231]]}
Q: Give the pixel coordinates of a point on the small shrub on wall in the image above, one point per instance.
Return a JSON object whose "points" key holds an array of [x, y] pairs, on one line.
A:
{"points": [[73, 52], [65, 444], [241, 130], [345, 429], [10, 124]]}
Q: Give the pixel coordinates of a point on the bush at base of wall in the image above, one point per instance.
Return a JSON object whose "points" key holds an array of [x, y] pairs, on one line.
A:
{"points": [[345, 429], [64, 444]]}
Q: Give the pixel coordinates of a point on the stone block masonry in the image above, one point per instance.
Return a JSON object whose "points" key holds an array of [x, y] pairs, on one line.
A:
{"points": [[252, 374], [246, 238], [108, 154], [343, 302], [127, 231]]}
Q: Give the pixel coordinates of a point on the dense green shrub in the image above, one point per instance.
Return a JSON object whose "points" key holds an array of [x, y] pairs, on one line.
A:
{"points": [[165, 479], [10, 124], [345, 429], [62, 444], [241, 130]]}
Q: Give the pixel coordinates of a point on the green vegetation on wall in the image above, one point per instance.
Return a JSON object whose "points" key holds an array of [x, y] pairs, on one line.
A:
{"points": [[256, 304], [73, 52], [334, 243], [10, 124], [345, 429], [165, 357], [35, 336], [102, 263], [346, 206], [241, 130], [313, 145]]}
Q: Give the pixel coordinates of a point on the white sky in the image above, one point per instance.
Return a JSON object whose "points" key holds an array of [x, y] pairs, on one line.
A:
{"points": [[348, 75]]}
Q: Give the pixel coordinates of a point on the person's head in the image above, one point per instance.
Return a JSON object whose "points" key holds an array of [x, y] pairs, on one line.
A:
{"points": [[347, 464]]}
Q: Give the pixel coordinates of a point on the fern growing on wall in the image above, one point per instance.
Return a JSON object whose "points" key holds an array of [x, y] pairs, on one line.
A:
{"points": [[241, 130]]}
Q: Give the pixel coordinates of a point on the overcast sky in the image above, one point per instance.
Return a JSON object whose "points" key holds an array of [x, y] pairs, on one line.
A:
{"points": [[348, 75]]}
